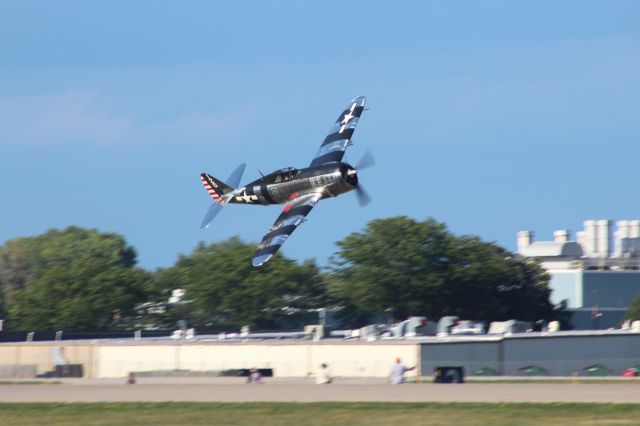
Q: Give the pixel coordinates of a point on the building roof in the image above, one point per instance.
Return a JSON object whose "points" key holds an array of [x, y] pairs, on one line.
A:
{"points": [[552, 249]]}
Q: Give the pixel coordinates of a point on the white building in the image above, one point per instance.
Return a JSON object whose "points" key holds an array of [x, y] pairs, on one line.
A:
{"points": [[595, 273]]}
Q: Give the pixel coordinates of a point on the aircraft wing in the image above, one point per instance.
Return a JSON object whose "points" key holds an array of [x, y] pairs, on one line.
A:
{"points": [[292, 215], [336, 142]]}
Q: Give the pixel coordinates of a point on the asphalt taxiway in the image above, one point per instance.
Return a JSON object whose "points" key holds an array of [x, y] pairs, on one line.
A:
{"points": [[304, 390]]}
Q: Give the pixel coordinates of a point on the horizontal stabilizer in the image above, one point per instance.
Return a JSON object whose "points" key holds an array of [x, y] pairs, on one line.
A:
{"points": [[210, 215], [217, 190]]}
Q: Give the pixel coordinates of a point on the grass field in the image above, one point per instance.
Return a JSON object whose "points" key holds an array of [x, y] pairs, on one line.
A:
{"points": [[310, 414]]}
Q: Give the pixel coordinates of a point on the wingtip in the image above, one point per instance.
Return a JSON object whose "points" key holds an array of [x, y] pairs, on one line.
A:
{"points": [[205, 222], [259, 261], [360, 100], [211, 214]]}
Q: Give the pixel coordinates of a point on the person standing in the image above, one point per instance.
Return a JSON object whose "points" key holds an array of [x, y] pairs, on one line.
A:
{"points": [[254, 377], [397, 372], [323, 377]]}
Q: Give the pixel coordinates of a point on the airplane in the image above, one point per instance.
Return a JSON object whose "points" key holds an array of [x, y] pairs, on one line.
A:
{"points": [[299, 189]]}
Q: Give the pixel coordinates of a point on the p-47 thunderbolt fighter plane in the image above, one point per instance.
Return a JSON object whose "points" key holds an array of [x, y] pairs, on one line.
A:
{"points": [[299, 189]]}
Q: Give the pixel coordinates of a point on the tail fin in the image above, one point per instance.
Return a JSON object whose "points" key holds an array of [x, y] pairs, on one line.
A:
{"points": [[215, 187], [218, 189]]}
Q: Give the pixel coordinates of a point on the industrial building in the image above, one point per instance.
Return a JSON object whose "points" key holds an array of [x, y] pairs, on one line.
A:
{"points": [[597, 276]]}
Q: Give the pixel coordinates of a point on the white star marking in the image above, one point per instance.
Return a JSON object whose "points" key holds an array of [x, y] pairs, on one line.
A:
{"points": [[347, 118], [246, 198]]}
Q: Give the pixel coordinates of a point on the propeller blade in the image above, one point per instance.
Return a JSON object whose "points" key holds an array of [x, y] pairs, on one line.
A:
{"points": [[366, 161], [210, 215], [363, 196]]}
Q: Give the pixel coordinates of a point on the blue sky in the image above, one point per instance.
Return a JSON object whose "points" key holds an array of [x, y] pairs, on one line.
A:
{"points": [[490, 116]]}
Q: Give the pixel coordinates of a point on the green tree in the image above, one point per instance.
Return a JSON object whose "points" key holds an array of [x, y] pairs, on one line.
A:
{"points": [[224, 290], [633, 312], [396, 263], [407, 267], [485, 281], [71, 279], [18, 261], [3, 312]]}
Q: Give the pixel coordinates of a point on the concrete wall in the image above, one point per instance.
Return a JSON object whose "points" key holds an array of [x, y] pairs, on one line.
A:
{"points": [[287, 360], [41, 355], [365, 360], [118, 361], [17, 371], [294, 359]]}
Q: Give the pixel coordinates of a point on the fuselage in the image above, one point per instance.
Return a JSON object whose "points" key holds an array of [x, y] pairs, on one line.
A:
{"points": [[330, 180]]}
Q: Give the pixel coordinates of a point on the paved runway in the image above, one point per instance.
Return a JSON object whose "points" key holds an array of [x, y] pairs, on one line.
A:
{"points": [[235, 390]]}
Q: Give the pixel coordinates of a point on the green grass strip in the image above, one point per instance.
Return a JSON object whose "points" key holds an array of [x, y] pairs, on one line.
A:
{"points": [[321, 413]]}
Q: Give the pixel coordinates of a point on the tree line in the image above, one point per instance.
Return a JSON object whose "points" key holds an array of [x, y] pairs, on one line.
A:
{"points": [[83, 279]]}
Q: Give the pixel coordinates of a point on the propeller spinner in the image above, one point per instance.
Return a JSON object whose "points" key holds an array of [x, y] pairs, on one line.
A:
{"points": [[351, 177]]}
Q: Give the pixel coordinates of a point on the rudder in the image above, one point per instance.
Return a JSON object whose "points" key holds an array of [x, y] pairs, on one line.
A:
{"points": [[215, 187]]}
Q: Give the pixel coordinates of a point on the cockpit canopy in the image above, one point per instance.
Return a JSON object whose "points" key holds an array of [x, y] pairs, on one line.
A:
{"points": [[284, 175], [281, 175]]}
